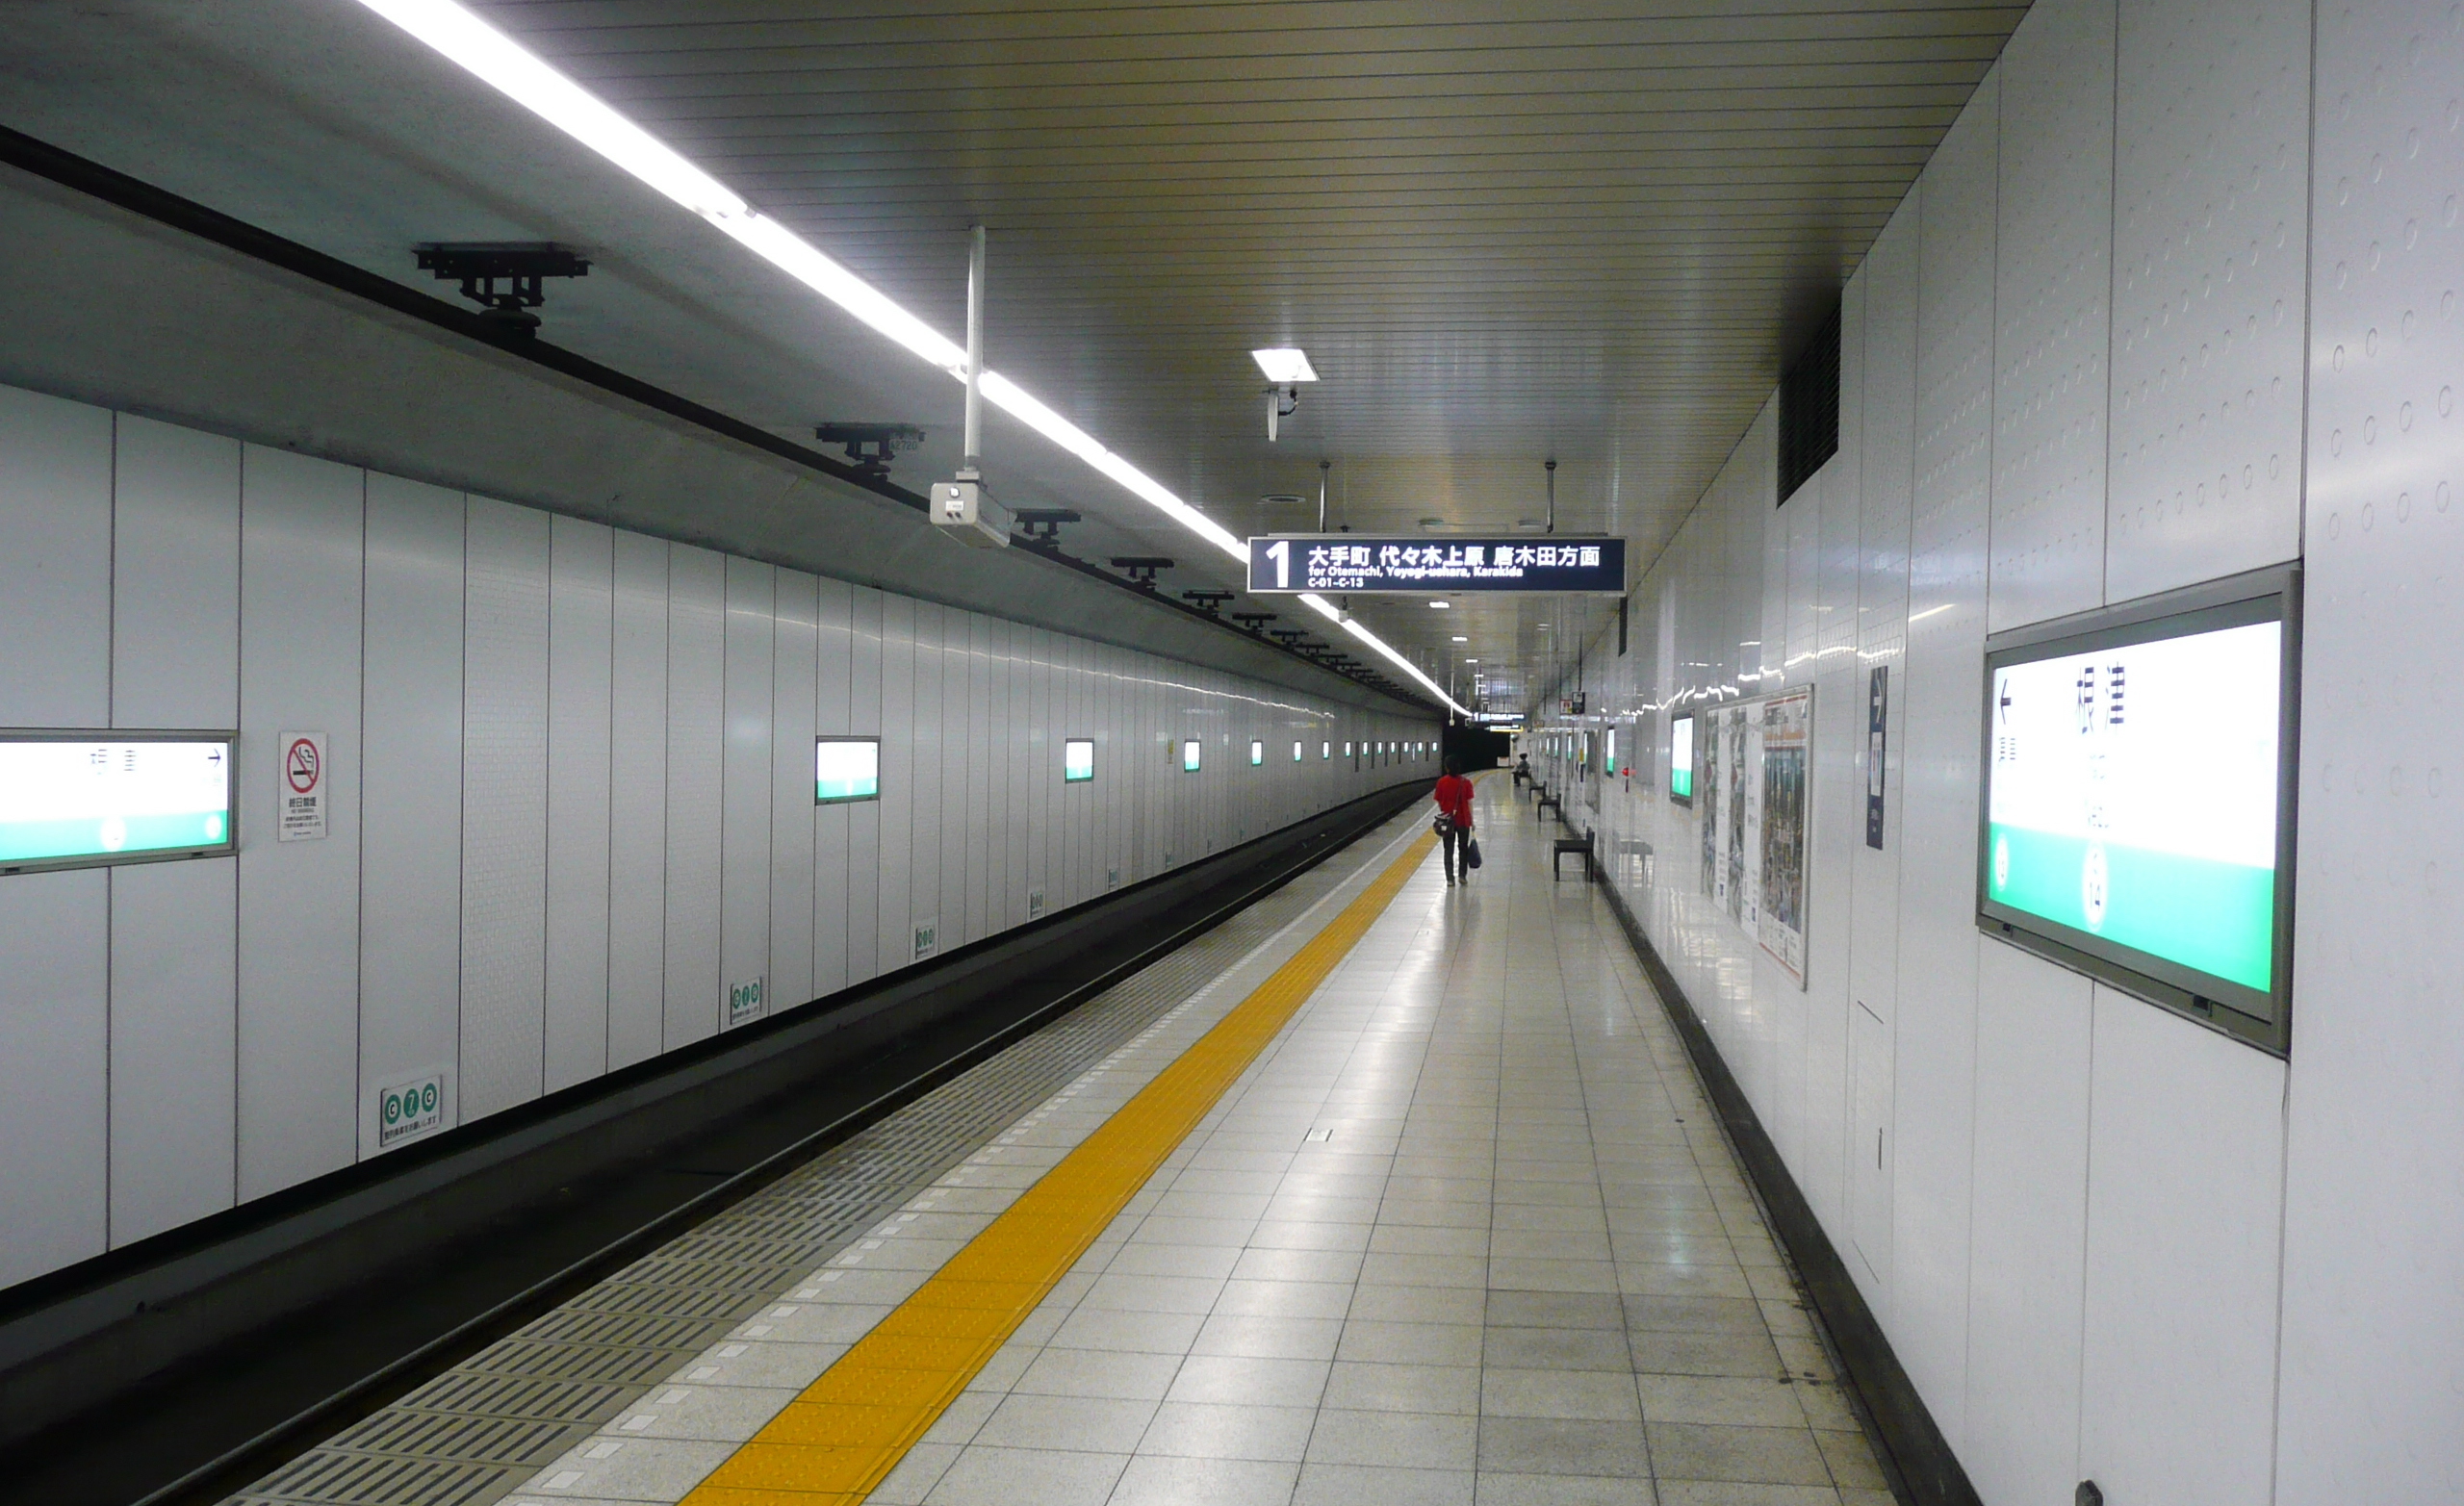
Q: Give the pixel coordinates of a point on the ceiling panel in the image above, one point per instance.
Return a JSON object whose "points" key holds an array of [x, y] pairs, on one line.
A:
{"points": [[1564, 228]]}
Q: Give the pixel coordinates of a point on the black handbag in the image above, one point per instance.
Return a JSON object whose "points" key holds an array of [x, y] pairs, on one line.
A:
{"points": [[1470, 851]]}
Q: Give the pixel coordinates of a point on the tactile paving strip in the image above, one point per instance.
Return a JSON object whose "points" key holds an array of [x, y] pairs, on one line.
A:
{"points": [[473, 1434]]}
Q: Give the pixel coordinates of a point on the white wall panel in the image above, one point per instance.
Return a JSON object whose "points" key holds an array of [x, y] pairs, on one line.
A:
{"points": [[893, 946], [744, 848], [55, 576], [410, 912], [53, 1037], [581, 718], [794, 678], [2372, 1400], [176, 577], [175, 663], [638, 802], [505, 807], [301, 536], [2031, 1215], [2185, 1139], [2054, 273], [868, 862], [1936, 1016], [696, 710], [835, 874], [55, 617], [2211, 192], [173, 1001]]}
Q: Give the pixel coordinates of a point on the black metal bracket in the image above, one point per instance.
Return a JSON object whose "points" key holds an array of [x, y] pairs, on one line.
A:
{"points": [[1042, 525], [870, 445], [1141, 568], [521, 265], [1288, 637], [1211, 602], [1254, 621]]}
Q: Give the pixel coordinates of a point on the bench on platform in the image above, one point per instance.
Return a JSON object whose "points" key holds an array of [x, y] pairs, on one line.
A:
{"points": [[1583, 845], [1547, 802]]}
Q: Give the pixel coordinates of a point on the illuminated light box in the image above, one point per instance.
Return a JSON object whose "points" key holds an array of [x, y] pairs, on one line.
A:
{"points": [[1077, 760], [80, 798], [1680, 760], [846, 768], [1190, 756], [2137, 819], [1257, 752], [1358, 564]]}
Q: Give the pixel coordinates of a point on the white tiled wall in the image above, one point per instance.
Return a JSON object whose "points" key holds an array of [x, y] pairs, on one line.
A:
{"points": [[2106, 1243], [572, 800]]}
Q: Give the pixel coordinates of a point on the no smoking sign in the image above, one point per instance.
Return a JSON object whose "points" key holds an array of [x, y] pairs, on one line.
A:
{"points": [[302, 792]]}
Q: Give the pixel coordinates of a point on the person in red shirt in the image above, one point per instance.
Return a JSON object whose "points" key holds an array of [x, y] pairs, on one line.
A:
{"points": [[1453, 823]]}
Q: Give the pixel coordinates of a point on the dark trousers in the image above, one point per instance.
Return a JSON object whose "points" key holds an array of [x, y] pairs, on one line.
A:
{"points": [[1453, 841]]}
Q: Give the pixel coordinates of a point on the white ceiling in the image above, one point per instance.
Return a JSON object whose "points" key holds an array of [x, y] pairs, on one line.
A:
{"points": [[1564, 227]]}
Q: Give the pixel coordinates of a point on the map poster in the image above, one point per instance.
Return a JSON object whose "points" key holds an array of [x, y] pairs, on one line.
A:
{"points": [[1732, 814], [1786, 725]]}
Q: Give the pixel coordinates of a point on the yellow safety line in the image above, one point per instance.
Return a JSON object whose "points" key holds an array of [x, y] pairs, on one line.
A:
{"points": [[850, 1428]]}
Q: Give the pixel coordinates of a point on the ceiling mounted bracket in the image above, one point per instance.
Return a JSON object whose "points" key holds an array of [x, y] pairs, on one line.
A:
{"points": [[1254, 621], [1142, 569], [870, 445], [521, 265], [1042, 525], [1211, 602]]}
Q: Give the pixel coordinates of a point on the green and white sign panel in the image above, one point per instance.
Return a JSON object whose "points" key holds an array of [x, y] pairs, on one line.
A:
{"points": [[75, 798], [2132, 799]]}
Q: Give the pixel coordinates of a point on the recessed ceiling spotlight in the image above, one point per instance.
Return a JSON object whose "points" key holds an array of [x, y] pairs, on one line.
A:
{"points": [[1459, 638], [1284, 364], [1441, 605], [1471, 661]]}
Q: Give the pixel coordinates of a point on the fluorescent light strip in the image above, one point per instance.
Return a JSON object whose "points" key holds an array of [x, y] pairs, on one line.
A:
{"points": [[523, 77]]}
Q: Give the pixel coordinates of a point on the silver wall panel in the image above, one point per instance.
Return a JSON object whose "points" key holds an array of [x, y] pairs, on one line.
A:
{"points": [[744, 847], [2371, 1398], [175, 663], [53, 1037], [638, 802], [696, 708], [301, 536], [56, 573], [580, 720], [2211, 195], [985, 859], [410, 910], [176, 577], [893, 945], [2184, 1235], [867, 863], [836, 876], [174, 1068], [505, 807], [1936, 1018], [794, 678], [55, 616], [2031, 1216], [2053, 325]]}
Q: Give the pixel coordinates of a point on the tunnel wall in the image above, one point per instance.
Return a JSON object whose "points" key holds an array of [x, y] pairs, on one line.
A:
{"points": [[2105, 348], [572, 804]]}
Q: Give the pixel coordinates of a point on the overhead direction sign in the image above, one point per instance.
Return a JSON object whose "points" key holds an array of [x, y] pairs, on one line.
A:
{"points": [[1365, 564]]}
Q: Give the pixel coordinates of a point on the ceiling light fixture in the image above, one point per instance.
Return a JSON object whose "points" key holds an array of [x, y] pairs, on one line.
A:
{"points": [[1284, 365], [1441, 605], [1459, 638], [511, 68]]}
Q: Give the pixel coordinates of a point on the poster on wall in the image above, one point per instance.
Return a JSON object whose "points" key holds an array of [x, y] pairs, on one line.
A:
{"points": [[1733, 809], [1787, 729], [1713, 818]]}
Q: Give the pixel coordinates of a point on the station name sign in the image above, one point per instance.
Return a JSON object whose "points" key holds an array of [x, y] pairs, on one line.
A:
{"points": [[1587, 565]]}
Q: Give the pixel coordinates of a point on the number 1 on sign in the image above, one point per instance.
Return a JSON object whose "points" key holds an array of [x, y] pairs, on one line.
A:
{"points": [[1280, 551]]}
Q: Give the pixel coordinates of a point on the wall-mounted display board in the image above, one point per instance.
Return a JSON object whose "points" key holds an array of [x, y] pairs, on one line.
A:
{"points": [[2137, 819], [846, 768], [1360, 563], [1680, 760], [80, 798], [1191, 752], [1077, 760], [1751, 807]]}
